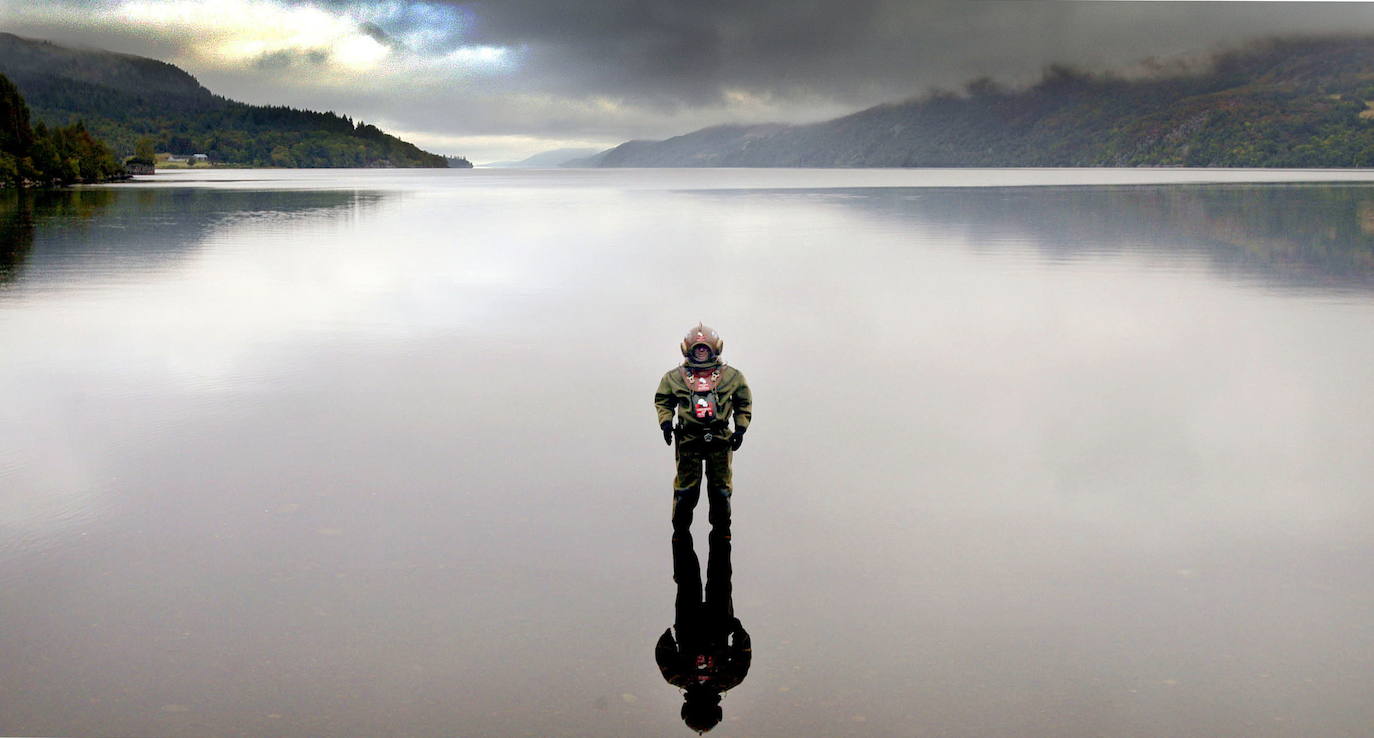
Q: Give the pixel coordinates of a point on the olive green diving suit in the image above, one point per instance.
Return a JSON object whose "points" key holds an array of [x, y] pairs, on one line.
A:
{"points": [[703, 395]]}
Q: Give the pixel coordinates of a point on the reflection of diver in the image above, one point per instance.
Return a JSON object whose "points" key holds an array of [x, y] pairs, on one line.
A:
{"points": [[711, 652]]}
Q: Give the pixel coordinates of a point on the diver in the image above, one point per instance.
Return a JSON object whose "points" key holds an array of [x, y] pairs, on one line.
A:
{"points": [[704, 394], [710, 652]]}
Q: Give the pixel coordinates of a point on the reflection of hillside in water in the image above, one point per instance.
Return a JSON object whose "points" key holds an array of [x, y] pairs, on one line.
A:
{"points": [[1295, 235], [113, 230], [22, 212], [1290, 235], [16, 234]]}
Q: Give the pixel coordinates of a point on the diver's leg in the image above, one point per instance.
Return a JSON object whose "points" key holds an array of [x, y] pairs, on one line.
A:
{"points": [[718, 490], [686, 488], [719, 605], [687, 575]]}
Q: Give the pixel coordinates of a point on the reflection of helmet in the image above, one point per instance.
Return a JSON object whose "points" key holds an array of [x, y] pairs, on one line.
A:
{"points": [[705, 336], [701, 709]]}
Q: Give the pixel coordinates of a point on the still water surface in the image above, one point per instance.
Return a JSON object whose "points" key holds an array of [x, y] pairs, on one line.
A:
{"points": [[1042, 453]]}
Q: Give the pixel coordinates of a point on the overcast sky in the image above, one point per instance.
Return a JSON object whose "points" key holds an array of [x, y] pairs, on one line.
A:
{"points": [[498, 79]]}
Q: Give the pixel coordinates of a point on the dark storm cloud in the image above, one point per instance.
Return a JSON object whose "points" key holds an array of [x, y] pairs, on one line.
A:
{"points": [[282, 61], [691, 53], [378, 35], [676, 50]]}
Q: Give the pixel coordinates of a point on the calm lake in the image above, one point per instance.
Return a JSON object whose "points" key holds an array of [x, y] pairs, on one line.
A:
{"points": [[368, 453]]}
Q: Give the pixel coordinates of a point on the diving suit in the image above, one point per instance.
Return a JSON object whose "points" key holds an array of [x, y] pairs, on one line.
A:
{"points": [[704, 395]]}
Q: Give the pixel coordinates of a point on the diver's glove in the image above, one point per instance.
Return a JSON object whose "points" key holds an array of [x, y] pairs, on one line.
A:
{"points": [[667, 427], [737, 439]]}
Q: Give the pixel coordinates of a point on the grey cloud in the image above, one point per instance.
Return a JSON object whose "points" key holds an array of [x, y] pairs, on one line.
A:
{"points": [[671, 53], [280, 61], [377, 34]]}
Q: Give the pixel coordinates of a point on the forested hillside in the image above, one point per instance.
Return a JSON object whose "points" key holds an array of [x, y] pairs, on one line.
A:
{"points": [[1304, 102], [124, 98]]}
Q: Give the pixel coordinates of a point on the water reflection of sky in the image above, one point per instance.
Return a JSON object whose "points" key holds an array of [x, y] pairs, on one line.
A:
{"points": [[1028, 462]]}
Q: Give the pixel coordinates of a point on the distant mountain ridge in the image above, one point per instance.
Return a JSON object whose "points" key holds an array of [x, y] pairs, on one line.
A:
{"points": [[1295, 102], [123, 98], [544, 159]]}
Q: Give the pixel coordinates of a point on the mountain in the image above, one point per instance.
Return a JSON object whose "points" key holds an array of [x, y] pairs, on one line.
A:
{"points": [[1295, 102], [123, 98], [587, 161], [544, 159]]}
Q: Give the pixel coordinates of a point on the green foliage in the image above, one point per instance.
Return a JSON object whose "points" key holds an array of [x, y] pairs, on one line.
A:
{"points": [[15, 133], [40, 155], [145, 154], [248, 135]]}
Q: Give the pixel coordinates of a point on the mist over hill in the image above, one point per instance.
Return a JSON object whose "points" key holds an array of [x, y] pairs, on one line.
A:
{"points": [[1293, 102], [122, 98], [544, 159]]}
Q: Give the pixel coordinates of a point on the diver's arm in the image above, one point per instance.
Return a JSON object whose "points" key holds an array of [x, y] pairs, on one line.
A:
{"points": [[665, 651], [668, 659], [741, 650], [743, 402], [665, 402]]}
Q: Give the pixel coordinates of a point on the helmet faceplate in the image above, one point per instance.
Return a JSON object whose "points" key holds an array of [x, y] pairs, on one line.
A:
{"points": [[704, 336]]}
